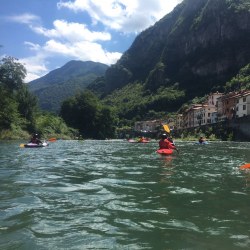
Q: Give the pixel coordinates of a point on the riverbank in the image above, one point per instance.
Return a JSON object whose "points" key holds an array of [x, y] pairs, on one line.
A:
{"points": [[24, 135]]}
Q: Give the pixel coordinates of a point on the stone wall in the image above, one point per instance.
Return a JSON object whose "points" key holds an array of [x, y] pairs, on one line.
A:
{"points": [[241, 128]]}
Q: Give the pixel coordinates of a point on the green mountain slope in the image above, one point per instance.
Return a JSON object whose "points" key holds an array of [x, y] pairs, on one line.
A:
{"points": [[64, 82], [193, 50]]}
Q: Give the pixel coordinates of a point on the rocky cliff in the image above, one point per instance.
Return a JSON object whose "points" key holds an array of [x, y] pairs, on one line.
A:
{"points": [[198, 46]]}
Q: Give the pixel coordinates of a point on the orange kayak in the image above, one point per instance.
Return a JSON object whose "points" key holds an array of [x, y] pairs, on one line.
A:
{"points": [[165, 151], [246, 166]]}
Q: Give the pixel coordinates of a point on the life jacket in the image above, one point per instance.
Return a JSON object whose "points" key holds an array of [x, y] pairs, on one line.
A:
{"points": [[166, 144]]}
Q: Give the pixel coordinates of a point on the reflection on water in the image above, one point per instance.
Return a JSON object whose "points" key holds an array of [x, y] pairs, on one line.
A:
{"points": [[119, 195]]}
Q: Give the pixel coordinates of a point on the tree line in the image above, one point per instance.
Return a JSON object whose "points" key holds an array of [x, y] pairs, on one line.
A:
{"points": [[20, 115]]}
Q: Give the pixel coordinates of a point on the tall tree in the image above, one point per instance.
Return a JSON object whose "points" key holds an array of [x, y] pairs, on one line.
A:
{"points": [[17, 103], [12, 73], [86, 113]]}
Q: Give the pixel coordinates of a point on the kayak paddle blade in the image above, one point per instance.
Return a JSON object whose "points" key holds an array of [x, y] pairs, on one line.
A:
{"points": [[166, 128], [245, 166]]}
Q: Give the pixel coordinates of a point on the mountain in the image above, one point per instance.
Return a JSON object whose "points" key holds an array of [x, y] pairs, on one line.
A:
{"points": [[193, 50], [64, 82]]}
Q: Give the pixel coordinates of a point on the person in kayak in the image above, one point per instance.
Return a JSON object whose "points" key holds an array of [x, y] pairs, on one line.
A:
{"points": [[35, 139], [141, 139], [166, 143], [202, 140]]}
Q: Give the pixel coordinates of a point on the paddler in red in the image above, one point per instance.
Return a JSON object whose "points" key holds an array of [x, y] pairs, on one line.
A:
{"points": [[166, 143]]}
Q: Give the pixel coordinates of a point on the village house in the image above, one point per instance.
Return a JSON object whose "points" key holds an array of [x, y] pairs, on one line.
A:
{"points": [[243, 104], [190, 116], [147, 126], [227, 106], [178, 121], [202, 114], [212, 99]]}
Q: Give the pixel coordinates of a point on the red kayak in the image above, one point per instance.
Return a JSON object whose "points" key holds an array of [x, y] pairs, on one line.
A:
{"points": [[165, 151]]}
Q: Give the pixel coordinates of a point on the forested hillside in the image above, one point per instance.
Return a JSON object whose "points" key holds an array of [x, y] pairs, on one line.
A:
{"points": [[53, 88], [196, 49]]}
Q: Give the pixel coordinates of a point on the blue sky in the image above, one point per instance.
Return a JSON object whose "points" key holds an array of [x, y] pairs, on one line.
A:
{"points": [[46, 34]]}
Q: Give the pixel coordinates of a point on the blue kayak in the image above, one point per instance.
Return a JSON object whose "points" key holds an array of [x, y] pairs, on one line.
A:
{"points": [[201, 143]]}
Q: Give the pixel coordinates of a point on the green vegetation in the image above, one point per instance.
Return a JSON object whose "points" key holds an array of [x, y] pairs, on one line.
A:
{"points": [[134, 102], [19, 113], [62, 83], [241, 81], [86, 113]]}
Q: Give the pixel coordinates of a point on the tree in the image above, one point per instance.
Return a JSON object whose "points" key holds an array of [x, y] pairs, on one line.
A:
{"points": [[86, 113], [12, 73], [27, 104], [8, 110], [17, 104]]}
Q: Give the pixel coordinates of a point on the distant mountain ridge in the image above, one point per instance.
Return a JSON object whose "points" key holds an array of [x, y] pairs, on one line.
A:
{"points": [[64, 82]]}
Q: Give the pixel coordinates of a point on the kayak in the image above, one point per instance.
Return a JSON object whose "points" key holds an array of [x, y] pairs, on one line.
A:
{"points": [[246, 166], [34, 145], [201, 143], [165, 151]]}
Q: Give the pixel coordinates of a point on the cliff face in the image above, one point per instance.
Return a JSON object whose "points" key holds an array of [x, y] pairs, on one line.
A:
{"points": [[201, 44], [210, 45]]}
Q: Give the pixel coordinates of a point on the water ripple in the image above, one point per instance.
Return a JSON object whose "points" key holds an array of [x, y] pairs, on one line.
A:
{"points": [[119, 195]]}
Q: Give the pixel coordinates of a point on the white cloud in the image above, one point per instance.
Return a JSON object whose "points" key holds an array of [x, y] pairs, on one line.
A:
{"points": [[71, 32], [123, 15], [25, 18], [84, 51], [35, 66], [33, 46]]}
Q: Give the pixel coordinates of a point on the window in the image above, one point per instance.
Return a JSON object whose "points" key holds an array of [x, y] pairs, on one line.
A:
{"points": [[244, 107], [244, 99]]}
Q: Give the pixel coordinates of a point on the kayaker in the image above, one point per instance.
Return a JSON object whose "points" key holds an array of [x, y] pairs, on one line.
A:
{"points": [[166, 143], [141, 139], [202, 139], [35, 139]]}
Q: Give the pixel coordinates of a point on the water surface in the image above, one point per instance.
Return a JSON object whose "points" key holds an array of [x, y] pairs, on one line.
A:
{"points": [[119, 195]]}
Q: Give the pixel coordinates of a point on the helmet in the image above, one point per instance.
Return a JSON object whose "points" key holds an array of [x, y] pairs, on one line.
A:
{"points": [[164, 136]]}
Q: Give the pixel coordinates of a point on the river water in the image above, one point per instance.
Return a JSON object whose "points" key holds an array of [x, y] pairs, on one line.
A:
{"points": [[119, 195]]}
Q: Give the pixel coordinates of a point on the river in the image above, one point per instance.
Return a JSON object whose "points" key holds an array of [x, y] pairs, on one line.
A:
{"points": [[118, 195]]}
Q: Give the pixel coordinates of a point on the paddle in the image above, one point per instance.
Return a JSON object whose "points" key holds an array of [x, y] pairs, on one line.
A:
{"points": [[21, 145], [52, 139]]}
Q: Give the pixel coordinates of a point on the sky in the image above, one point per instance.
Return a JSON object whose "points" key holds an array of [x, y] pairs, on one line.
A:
{"points": [[45, 34]]}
